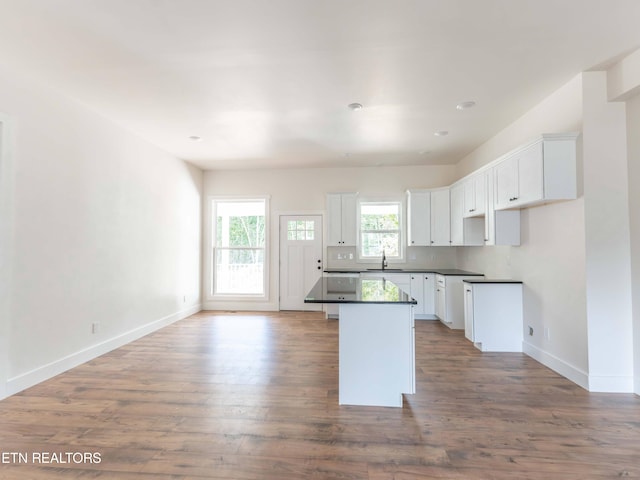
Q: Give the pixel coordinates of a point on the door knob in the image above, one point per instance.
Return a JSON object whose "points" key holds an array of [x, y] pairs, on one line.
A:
{"points": [[319, 267]]}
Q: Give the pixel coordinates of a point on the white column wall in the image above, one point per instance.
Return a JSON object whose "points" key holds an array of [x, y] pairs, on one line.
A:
{"points": [[607, 235], [633, 145], [6, 249]]}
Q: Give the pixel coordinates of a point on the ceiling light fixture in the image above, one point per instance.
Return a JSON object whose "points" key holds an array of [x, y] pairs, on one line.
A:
{"points": [[441, 133], [465, 105], [195, 138], [354, 106]]}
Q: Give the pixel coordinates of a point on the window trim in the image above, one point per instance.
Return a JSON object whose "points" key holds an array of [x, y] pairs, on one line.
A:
{"points": [[210, 293], [400, 201]]}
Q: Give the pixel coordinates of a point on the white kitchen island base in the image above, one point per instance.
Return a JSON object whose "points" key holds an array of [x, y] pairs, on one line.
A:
{"points": [[376, 354]]}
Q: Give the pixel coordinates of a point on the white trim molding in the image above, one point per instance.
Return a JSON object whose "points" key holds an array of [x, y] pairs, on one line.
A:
{"points": [[557, 365], [45, 372]]}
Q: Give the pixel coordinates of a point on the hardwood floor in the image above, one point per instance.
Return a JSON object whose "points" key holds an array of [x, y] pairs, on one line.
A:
{"points": [[254, 396]]}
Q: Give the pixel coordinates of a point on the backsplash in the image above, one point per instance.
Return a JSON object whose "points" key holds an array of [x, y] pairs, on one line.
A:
{"points": [[416, 257]]}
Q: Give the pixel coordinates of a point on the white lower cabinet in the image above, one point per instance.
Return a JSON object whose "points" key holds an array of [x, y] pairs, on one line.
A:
{"points": [[450, 299], [423, 290], [493, 318]]}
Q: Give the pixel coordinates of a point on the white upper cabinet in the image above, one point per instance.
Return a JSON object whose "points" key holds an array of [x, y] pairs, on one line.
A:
{"points": [[464, 231], [540, 172], [341, 222], [475, 195], [440, 218], [419, 214], [502, 227]]}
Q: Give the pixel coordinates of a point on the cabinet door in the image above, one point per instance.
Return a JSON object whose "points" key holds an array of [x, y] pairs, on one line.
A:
{"points": [[417, 292], [419, 213], [468, 311], [480, 194], [334, 220], [440, 218], [457, 215], [429, 293], [530, 175], [469, 197], [349, 224], [441, 304], [506, 183]]}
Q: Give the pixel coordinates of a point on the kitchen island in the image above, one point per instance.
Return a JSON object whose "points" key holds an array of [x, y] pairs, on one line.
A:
{"points": [[376, 339]]}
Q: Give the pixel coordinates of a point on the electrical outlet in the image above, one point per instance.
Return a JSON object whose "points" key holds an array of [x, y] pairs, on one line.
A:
{"points": [[530, 331]]}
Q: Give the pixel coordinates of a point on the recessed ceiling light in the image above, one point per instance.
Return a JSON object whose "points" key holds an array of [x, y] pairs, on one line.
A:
{"points": [[346, 154], [465, 105], [424, 152], [354, 106], [195, 138], [441, 133]]}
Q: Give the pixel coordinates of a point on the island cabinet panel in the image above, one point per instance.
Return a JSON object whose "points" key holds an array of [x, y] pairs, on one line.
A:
{"points": [[376, 354], [341, 219]]}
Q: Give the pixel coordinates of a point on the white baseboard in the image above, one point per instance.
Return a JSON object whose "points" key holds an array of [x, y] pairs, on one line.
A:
{"points": [[591, 383], [557, 365], [45, 372]]}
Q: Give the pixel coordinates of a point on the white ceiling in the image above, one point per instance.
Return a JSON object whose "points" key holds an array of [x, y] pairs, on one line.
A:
{"points": [[266, 83]]}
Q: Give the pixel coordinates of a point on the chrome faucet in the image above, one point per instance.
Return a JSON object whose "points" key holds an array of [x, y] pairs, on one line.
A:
{"points": [[384, 260]]}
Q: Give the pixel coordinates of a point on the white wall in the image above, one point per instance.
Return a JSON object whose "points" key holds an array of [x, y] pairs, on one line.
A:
{"points": [[607, 234], [551, 258], [304, 190], [633, 148], [106, 229]]}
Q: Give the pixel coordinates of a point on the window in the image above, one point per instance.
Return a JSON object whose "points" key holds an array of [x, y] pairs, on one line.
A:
{"points": [[239, 247], [301, 230], [380, 227]]}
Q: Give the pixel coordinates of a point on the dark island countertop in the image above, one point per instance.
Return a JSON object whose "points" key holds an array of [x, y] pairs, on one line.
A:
{"points": [[357, 290], [440, 271], [490, 280]]}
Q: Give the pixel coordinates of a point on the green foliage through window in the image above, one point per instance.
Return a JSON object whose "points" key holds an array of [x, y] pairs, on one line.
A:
{"points": [[380, 229]]}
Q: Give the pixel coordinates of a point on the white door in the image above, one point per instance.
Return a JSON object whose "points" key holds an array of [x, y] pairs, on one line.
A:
{"points": [[300, 260]]}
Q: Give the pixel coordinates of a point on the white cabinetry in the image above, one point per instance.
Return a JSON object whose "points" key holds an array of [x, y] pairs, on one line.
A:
{"points": [[423, 291], [502, 227], [464, 231], [342, 284], [493, 315], [450, 299], [542, 171], [475, 195], [341, 212], [440, 218], [419, 214]]}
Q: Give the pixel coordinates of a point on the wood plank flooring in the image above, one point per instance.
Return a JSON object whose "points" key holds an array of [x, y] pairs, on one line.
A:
{"points": [[248, 396]]}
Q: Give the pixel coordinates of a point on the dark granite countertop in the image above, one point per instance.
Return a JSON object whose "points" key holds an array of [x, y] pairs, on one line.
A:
{"points": [[357, 290], [441, 271]]}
